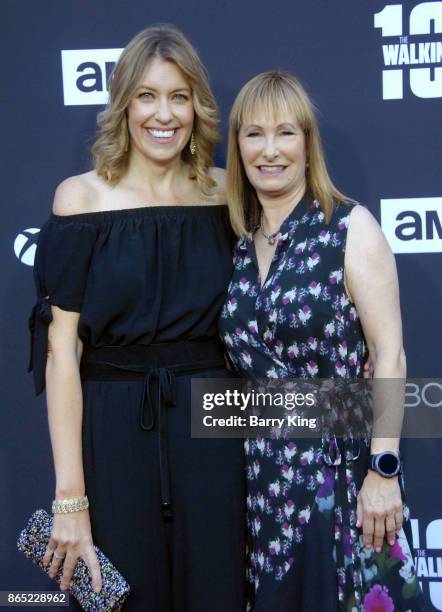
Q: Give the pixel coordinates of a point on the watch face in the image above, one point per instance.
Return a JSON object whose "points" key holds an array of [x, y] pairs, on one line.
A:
{"points": [[388, 463]]}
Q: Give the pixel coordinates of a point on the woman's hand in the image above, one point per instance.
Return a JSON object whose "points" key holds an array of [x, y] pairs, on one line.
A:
{"points": [[70, 539], [379, 509]]}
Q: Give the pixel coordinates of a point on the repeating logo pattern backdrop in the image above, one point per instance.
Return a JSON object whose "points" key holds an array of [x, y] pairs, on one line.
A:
{"points": [[375, 72]]}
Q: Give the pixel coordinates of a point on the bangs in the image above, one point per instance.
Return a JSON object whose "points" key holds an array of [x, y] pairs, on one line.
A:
{"points": [[274, 98]]}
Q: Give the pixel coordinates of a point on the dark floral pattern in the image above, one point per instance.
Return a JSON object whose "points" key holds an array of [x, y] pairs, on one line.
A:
{"points": [[302, 324]]}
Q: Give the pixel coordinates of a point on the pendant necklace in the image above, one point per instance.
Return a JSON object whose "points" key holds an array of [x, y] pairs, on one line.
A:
{"points": [[271, 238]]}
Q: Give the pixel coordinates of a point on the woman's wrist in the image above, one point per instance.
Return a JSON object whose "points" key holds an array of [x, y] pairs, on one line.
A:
{"points": [[380, 445], [68, 492]]}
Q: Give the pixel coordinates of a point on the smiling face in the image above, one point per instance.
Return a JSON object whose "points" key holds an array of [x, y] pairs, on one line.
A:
{"points": [[160, 114], [273, 155]]}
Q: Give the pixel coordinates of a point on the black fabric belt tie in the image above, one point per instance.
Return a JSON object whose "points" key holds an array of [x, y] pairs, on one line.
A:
{"points": [[157, 365]]}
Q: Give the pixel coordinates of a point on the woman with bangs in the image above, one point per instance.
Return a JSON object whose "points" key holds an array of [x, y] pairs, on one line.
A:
{"points": [[131, 272], [314, 285]]}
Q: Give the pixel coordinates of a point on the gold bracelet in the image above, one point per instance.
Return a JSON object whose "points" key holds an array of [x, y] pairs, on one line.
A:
{"points": [[75, 504]]}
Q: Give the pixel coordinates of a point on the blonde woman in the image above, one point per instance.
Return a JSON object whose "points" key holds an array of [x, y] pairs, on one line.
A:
{"points": [[131, 271], [314, 283]]}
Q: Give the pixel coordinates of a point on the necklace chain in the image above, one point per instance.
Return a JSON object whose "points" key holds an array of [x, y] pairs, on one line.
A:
{"points": [[271, 238]]}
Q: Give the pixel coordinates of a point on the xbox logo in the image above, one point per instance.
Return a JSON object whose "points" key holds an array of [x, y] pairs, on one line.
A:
{"points": [[25, 245]]}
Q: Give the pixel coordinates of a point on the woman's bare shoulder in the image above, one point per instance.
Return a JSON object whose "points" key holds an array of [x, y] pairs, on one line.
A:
{"points": [[79, 194]]}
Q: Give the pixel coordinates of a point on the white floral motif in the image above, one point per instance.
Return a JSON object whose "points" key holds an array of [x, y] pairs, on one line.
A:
{"points": [[304, 314], [342, 349], [246, 358], [275, 294], [312, 368], [329, 329], [315, 289], [300, 247], [304, 515], [244, 285], [293, 350], [313, 261], [253, 326], [228, 340], [290, 451], [307, 457], [242, 335], [335, 277], [232, 305], [274, 489], [287, 531], [275, 546], [289, 296], [287, 472], [289, 508], [324, 237]]}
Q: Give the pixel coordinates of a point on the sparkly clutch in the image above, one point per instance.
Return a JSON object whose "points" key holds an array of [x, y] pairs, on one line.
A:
{"points": [[33, 541]]}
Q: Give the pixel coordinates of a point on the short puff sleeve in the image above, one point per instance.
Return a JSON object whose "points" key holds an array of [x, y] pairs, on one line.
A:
{"points": [[62, 261]]}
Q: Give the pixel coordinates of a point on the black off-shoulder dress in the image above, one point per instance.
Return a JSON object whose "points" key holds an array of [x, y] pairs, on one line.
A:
{"points": [[149, 283]]}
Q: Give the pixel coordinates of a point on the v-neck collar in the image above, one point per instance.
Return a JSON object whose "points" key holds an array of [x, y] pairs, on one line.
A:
{"points": [[287, 226]]}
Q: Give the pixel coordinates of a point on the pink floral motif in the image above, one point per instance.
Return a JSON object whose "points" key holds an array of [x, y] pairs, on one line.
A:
{"points": [[396, 551], [378, 600]]}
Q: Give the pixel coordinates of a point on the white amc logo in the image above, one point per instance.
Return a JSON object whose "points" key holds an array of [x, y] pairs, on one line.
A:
{"points": [[423, 50], [413, 225], [85, 75], [428, 561]]}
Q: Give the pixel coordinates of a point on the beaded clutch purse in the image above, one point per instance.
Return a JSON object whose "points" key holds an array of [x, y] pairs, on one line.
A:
{"points": [[33, 541]]}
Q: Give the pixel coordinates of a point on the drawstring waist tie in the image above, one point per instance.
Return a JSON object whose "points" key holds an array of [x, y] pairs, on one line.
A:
{"points": [[157, 365]]}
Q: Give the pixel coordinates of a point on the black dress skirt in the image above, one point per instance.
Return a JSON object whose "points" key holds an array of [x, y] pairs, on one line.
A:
{"points": [[149, 283]]}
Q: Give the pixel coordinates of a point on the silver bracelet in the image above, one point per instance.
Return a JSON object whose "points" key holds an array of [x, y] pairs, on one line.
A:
{"points": [[74, 504]]}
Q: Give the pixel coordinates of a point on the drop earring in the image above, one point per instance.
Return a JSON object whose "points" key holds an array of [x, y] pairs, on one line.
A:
{"points": [[193, 146]]}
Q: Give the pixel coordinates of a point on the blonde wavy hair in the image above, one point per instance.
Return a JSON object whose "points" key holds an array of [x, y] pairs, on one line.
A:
{"points": [[273, 94], [111, 149]]}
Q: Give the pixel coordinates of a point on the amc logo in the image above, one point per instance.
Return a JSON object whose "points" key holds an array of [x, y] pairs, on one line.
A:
{"points": [[413, 225], [85, 75]]}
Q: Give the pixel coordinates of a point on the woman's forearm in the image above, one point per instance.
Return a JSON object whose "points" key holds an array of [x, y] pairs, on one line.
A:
{"points": [[388, 398], [65, 414]]}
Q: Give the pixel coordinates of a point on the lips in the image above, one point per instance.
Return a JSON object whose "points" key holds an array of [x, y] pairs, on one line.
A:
{"points": [[271, 170], [162, 133], [162, 136]]}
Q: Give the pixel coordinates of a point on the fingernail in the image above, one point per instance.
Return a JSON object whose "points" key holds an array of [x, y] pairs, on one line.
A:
{"points": [[358, 524], [378, 549], [391, 542]]}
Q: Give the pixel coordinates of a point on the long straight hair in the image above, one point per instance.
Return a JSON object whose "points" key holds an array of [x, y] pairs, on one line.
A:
{"points": [[273, 94]]}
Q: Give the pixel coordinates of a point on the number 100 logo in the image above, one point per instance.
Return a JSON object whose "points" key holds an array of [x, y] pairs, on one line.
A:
{"points": [[425, 23]]}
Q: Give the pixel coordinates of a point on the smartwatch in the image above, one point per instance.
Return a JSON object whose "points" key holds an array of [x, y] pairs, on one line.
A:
{"points": [[387, 464]]}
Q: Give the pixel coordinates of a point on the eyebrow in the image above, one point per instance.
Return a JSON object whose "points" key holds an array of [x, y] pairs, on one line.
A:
{"points": [[155, 90], [260, 127]]}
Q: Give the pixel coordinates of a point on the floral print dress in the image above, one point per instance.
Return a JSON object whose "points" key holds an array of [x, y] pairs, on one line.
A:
{"points": [[305, 552]]}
